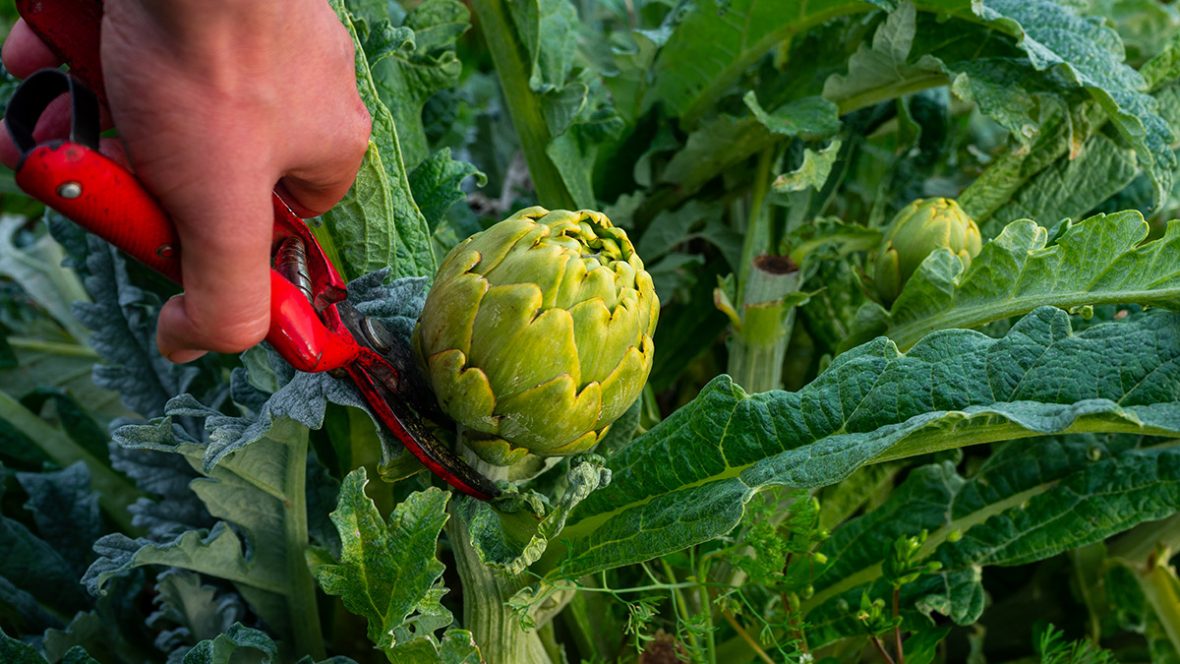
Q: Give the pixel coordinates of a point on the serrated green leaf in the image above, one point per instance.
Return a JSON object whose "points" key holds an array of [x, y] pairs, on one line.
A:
{"points": [[65, 511], [686, 480], [810, 118], [1068, 187], [546, 28], [844, 238], [115, 493], [122, 317], [34, 566], [692, 221], [21, 612], [1091, 55], [457, 647], [437, 183], [195, 609], [1063, 134], [839, 293], [1145, 26], [1028, 502], [718, 144], [716, 41], [73, 418], [561, 113], [16, 652], [511, 542], [387, 570], [812, 173], [407, 77], [1102, 260], [234, 646], [38, 269], [378, 225], [922, 647], [113, 630], [885, 62], [1164, 68]]}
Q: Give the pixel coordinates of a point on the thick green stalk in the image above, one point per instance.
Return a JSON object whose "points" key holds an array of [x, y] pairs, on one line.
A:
{"points": [[764, 316], [302, 604], [757, 232], [52, 347], [1139, 544], [524, 105], [757, 350], [486, 592], [1162, 590]]}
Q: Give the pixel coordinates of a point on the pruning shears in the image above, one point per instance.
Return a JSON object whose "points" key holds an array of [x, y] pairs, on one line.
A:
{"points": [[311, 325]]}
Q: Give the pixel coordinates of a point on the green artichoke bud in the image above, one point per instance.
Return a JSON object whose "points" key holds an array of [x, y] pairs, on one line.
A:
{"points": [[918, 229], [537, 333]]}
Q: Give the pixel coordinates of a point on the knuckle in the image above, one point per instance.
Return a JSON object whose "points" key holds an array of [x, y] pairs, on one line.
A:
{"points": [[234, 335], [358, 139]]}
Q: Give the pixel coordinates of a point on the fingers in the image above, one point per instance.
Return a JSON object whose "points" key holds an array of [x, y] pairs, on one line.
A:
{"points": [[318, 173], [313, 190], [24, 52], [225, 260]]}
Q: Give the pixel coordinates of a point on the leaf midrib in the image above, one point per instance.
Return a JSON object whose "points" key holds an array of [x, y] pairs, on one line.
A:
{"points": [[908, 334], [752, 51], [873, 572], [920, 442]]}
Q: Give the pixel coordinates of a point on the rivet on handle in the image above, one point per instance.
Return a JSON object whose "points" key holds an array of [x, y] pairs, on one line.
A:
{"points": [[69, 190]]}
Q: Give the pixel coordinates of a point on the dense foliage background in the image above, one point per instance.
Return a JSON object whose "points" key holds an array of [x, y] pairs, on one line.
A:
{"points": [[983, 470]]}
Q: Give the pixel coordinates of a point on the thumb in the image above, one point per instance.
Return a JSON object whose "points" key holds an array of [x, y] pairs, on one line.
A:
{"points": [[225, 263]]}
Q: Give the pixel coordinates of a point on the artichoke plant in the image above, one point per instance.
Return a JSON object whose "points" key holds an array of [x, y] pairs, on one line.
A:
{"points": [[537, 333], [918, 230]]}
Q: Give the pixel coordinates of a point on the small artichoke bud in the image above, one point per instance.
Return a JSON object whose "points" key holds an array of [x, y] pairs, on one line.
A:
{"points": [[537, 333], [918, 229]]}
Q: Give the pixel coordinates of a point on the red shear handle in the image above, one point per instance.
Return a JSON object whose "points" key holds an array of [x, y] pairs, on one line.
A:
{"points": [[298, 334], [71, 29], [105, 199]]}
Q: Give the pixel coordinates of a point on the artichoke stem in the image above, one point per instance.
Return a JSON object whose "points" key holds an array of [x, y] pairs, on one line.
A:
{"points": [[496, 628], [757, 350], [1162, 591], [508, 51]]}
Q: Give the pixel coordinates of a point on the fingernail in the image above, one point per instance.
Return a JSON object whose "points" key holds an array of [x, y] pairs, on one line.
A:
{"points": [[184, 356]]}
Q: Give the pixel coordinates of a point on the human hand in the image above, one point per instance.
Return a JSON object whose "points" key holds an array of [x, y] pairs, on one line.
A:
{"points": [[216, 103]]}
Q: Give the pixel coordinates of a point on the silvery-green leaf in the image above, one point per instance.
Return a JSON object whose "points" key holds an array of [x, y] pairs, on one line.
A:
{"points": [[233, 646], [39, 271]]}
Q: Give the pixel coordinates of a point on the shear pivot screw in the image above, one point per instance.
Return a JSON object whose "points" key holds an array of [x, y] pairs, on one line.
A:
{"points": [[69, 190], [376, 335]]}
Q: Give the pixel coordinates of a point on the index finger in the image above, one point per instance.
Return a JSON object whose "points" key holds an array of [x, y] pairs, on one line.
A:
{"points": [[24, 52]]}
